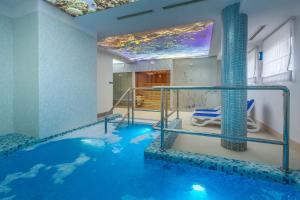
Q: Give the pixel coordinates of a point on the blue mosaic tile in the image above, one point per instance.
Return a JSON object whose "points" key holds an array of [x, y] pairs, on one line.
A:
{"points": [[234, 73], [13, 142], [229, 166]]}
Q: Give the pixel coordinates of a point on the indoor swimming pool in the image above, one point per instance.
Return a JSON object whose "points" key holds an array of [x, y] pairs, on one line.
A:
{"points": [[88, 164]]}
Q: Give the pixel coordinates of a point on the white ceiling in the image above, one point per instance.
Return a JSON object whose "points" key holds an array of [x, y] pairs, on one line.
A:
{"points": [[271, 13], [107, 24], [11, 3]]}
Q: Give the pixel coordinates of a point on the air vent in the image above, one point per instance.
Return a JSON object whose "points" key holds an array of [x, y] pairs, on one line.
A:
{"points": [[257, 32], [135, 14], [181, 4]]}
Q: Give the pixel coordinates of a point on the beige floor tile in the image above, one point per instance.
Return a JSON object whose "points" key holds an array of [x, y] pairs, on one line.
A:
{"points": [[257, 152]]}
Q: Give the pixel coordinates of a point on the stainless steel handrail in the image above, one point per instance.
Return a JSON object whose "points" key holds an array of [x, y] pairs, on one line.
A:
{"points": [[216, 135], [107, 120], [120, 100], [129, 93], [171, 113], [150, 110], [156, 125], [286, 117], [261, 87], [142, 88]]}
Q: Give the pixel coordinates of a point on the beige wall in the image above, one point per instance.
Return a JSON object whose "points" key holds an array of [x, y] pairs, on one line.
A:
{"points": [[198, 72], [190, 71]]}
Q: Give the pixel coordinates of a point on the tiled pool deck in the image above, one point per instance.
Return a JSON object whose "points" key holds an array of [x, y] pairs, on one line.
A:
{"points": [[229, 166]]}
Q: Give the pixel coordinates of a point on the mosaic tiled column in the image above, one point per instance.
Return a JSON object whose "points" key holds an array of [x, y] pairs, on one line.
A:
{"points": [[234, 73]]}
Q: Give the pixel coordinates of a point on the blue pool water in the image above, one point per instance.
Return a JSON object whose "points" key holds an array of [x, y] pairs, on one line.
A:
{"points": [[90, 165]]}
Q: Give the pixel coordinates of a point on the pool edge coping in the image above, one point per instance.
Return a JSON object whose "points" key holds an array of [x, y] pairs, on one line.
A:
{"points": [[227, 165], [35, 141]]}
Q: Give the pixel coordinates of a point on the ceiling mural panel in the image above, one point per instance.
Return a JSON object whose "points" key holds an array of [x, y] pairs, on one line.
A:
{"points": [[83, 7], [184, 41]]}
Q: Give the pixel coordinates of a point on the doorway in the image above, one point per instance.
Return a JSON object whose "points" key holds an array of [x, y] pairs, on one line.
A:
{"points": [[148, 99], [122, 81]]}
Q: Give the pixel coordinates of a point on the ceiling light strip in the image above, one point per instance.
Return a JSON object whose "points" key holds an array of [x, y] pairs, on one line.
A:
{"points": [[135, 14], [181, 4]]}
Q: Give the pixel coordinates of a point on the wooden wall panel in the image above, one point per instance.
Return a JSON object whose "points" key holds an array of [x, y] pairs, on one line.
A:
{"points": [[151, 99]]}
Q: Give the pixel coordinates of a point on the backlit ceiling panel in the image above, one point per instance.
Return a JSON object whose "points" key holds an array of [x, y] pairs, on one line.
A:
{"points": [[185, 41], [82, 7]]}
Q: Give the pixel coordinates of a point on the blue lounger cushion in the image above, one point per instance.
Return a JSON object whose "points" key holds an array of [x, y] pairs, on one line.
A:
{"points": [[207, 110], [206, 115], [212, 116], [250, 103]]}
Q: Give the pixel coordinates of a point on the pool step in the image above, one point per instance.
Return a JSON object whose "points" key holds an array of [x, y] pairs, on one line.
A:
{"points": [[116, 119], [113, 116]]}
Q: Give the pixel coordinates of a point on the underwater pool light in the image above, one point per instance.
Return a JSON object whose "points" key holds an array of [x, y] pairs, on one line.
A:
{"points": [[93, 142], [147, 129], [198, 188], [144, 130]]}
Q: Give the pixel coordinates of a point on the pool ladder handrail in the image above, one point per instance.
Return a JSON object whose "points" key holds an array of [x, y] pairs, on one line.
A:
{"points": [[130, 93], [157, 125], [110, 118]]}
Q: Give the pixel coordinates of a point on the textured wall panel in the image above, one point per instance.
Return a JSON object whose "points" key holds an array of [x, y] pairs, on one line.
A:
{"points": [[67, 76], [6, 75]]}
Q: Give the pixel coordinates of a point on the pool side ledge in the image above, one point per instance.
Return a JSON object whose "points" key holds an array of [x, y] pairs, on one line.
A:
{"points": [[226, 165]]}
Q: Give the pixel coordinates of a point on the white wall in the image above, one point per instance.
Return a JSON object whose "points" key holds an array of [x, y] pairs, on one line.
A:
{"points": [[19, 68], [268, 108], [48, 68], [104, 80], [6, 75], [26, 71], [5, 10], [67, 73]]}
